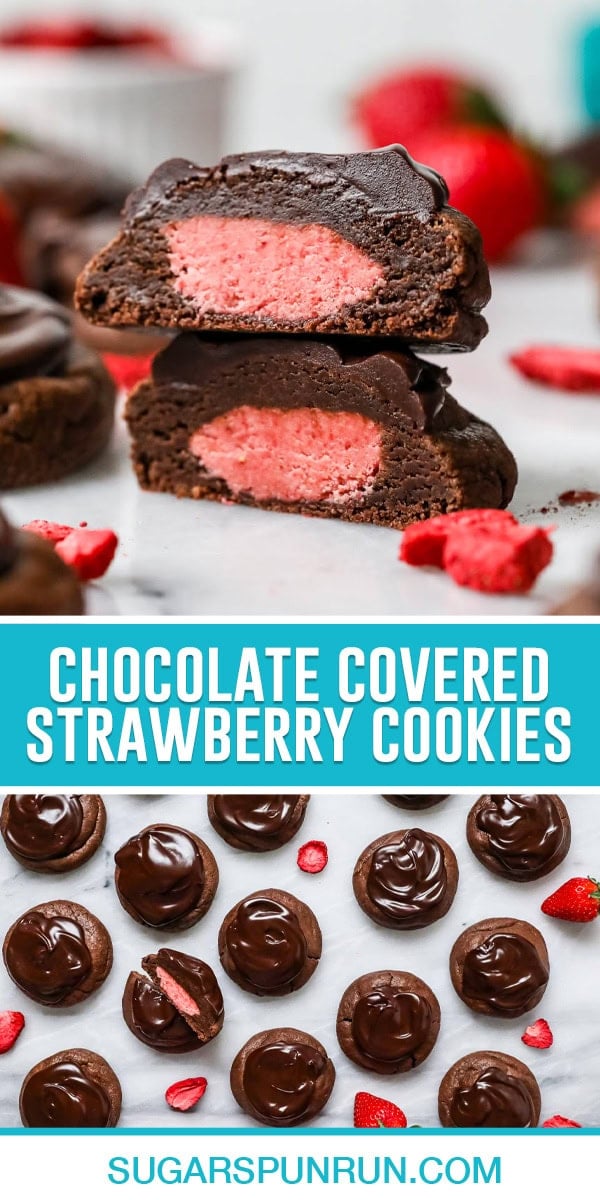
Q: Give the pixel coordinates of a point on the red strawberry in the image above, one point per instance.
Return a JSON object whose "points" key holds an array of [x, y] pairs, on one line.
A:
{"points": [[11, 270], [406, 102], [495, 180], [11, 1025], [571, 368], [371, 1112], [424, 542], [49, 530], [560, 1123], [576, 900], [484, 549], [539, 1035], [128, 369], [313, 857], [185, 1094], [89, 552]]}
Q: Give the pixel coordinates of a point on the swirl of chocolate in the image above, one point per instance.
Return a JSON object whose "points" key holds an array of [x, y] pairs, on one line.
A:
{"points": [[407, 878], [390, 1025], [408, 801], [62, 1095], [47, 956], [506, 972], [35, 335], [155, 1021], [495, 1099], [41, 827], [266, 942], [160, 874], [9, 550], [255, 821], [523, 832], [280, 1080]]}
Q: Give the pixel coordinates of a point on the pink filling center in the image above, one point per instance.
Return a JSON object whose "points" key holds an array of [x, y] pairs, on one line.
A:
{"points": [[286, 272], [290, 454], [176, 994]]}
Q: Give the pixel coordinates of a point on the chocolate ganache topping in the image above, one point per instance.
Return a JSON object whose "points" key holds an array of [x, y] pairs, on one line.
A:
{"points": [[391, 1025], [35, 335], [62, 1095], [506, 972], [160, 874], [42, 827], [280, 1080], [157, 1021], [47, 956], [194, 976], [494, 1099], [255, 819], [407, 878], [523, 832], [266, 942]]}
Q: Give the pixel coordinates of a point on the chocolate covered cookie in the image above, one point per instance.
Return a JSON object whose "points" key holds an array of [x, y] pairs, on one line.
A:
{"points": [[179, 1008], [500, 967], [74, 1089], [270, 943], [58, 953], [489, 1090], [34, 580], [388, 1021], [257, 823], [413, 802], [166, 877], [52, 833], [519, 837], [282, 1077], [277, 242], [406, 879]]}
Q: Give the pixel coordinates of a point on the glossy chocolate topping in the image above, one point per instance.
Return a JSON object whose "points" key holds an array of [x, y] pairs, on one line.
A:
{"points": [[266, 942], [494, 1099], [255, 819], [194, 976], [43, 827], [391, 1025], [160, 874], [47, 956], [506, 972], [156, 1021], [407, 878], [279, 1081], [9, 549], [407, 801], [523, 832], [35, 335], [62, 1095]]}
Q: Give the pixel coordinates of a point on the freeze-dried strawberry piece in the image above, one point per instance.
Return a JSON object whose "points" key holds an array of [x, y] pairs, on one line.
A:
{"points": [[506, 561], [128, 370], [423, 543], [89, 552], [185, 1094], [49, 530], [558, 1122], [11, 1025], [572, 368], [538, 1035], [313, 857]]}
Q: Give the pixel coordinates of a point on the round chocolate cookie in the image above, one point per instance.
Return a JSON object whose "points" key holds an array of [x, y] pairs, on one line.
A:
{"points": [[34, 580], [192, 987], [489, 1090], [149, 1014], [74, 1089], [500, 967], [52, 833], [270, 943], [388, 1021], [413, 802], [58, 953], [257, 822], [282, 1077], [166, 877], [406, 879], [519, 837]]}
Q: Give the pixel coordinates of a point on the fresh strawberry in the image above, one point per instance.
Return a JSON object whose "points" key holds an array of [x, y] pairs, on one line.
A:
{"points": [[539, 1035], [560, 1123], [128, 370], [11, 270], [11, 1025], [371, 1112], [185, 1094], [571, 368], [494, 179], [576, 900], [89, 552], [407, 102], [313, 857]]}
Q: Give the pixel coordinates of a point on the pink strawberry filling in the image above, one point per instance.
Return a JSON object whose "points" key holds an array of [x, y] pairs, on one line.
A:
{"points": [[290, 454], [177, 995], [286, 272]]}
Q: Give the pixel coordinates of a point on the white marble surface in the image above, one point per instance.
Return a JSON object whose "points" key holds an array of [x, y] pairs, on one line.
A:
{"points": [[568, 1073], [180, 557]]}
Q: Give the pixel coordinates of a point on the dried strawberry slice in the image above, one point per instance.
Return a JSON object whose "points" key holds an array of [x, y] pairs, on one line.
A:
{"points": [[185, 1094], [11, 1025], [423, 543], [89, 552], [572, 368], [538, 1035], [313, 857], [509, 561], [558, 1122], [49, 530], [128, 370]]}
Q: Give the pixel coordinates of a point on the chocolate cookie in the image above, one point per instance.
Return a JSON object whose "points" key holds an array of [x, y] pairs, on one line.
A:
{"points": [[56, 397], [273, 242], [282, 1077], [489, 1090], [519, 837], [270, 943], [52, 833], [257, 822], [500, 967], [34, 580], [388, 1021], [74, 1089], [180, 1007], [406, 879], [58, 953], [166, 877], [414, 802]]}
